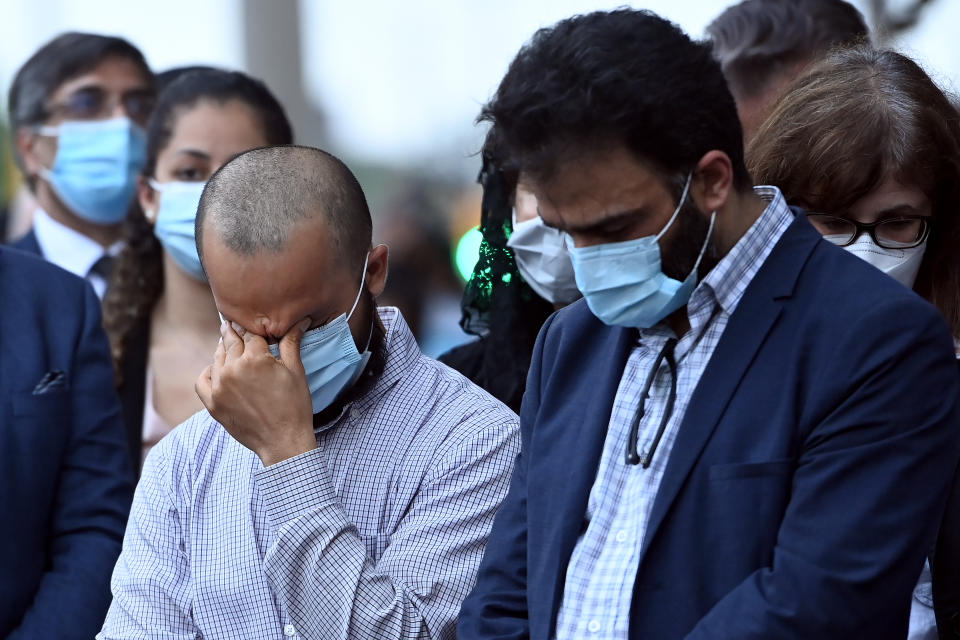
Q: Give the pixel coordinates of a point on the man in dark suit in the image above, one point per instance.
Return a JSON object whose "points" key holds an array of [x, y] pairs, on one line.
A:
{"points": [[65, 470], [77, 111], [726, 438]]}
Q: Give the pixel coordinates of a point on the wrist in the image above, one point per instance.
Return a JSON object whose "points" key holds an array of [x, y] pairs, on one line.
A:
{"points": [[285, 449]]}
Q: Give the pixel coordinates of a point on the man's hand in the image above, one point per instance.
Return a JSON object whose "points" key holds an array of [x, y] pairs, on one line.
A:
{"points": [[263, 402]]}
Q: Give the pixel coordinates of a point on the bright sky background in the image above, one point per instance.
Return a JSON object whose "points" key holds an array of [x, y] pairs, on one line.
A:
{"points": [[400, 82]]}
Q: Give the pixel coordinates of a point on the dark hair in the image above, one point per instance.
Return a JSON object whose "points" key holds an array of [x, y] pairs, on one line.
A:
{"points": [[65, 57], [757, 40], [137, 280], [850, 121], [607, 79], [255, 200]]}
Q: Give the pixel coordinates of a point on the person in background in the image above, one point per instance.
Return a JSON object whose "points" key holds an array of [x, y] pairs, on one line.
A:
{"points": [[158, 312], [77, 111], [869, 145], [65, 472], [726, 438], [341, 484], [762, 45], [523, 275]]}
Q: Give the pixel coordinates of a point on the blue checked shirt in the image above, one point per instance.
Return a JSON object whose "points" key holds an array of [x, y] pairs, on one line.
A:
{"points": [[377, 533], [603, 566]]}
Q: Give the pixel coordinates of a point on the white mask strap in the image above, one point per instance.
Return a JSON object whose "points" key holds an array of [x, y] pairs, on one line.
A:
{"points": [[706, 242], [363, 279], [683, 197]]}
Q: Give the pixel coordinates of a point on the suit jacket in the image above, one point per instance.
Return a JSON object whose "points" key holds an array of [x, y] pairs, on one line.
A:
{"points": [[65, 473], [28, 244], [805, 483]]}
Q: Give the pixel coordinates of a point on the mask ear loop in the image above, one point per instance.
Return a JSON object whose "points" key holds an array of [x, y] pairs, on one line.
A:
{"points": [[683, 197], [706, 242], [363, 279]]}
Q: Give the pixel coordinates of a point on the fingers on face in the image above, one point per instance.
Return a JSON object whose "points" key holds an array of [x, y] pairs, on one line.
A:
{"points": [[290, 344], [204, 388], [231, 341]]}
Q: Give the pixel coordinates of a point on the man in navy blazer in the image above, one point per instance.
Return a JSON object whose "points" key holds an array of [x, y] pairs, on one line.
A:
{"points": [[65, 471], [742, 431]]}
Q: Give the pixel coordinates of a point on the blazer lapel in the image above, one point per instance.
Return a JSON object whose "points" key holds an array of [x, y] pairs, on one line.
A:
{"points": [[742, 339]]}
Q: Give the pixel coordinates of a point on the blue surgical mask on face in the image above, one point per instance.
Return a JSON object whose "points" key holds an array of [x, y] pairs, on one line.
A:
{"points": [[330, 356], [623, 282], [95, 170], [174, 224]]}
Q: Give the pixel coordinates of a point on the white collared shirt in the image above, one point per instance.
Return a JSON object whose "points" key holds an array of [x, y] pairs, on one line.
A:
{"points": [[71, 250]]}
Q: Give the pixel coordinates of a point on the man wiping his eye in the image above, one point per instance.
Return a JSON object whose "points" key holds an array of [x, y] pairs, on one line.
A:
{"points": [[341, 484]]}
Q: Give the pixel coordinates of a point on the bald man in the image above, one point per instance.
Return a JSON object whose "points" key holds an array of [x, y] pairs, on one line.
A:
{"points": [[341, 484]]}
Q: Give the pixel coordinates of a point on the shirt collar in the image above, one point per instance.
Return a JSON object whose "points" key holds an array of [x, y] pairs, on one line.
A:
{"points": [[725, 281], [67, 248]]}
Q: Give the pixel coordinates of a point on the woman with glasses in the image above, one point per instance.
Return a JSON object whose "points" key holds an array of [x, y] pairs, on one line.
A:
{"points": [[159, 312], [77, 111], [869, 146]]}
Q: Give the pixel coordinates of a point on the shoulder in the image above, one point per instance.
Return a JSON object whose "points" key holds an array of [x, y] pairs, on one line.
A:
{"points": [[446, 409], [190, 448], [40, 279], [845, 287]]}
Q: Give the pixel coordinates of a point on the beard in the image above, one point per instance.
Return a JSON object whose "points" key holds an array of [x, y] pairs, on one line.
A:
{"points": [[679, 255]]}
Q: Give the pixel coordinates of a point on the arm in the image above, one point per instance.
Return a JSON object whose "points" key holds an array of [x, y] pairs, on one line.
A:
{"points": [[497, 606], [151, 583], [93, 496], [319, 563], [867, 494]]}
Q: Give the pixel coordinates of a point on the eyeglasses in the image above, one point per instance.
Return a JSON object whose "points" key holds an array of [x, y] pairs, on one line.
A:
{"points": [[633, 455], [95, 103], [902, 232]]}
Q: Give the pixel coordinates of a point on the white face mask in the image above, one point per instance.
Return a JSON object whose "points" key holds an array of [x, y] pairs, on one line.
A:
{"points": [[900, 264], [543, 260]]}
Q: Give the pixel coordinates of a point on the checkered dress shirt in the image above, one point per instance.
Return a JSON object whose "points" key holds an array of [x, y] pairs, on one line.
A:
{"points": [[603, 566], [377, 533]]}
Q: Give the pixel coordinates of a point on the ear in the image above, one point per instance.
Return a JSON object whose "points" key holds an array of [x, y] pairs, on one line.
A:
{"points": [[377, 269], [149, 199], [26, 143], [712, 181]]}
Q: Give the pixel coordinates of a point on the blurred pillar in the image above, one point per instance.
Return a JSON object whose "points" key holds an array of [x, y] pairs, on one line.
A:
{"points": [[273, 54]]}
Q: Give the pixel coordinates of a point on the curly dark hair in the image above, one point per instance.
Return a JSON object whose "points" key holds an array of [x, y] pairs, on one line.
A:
{"points": [[137, 280], [613, 78]]}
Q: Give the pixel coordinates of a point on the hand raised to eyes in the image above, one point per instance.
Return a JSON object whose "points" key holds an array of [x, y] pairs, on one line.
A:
{"points": [[262, 401]]}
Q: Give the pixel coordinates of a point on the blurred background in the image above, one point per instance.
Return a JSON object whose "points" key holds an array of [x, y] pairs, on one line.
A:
{"points": [[392, 88]]}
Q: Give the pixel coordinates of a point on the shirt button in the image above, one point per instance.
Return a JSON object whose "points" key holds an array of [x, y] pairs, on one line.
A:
{"points": [[622, 535], [289, 630], [593, 627]]}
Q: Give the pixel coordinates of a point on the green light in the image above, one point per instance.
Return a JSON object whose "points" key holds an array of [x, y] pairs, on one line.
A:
{"points": [[468, 252]]}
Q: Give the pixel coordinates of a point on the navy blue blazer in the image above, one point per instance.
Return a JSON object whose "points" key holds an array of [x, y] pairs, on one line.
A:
{"points": [[28, 243], [805, 484], [64, 464]]}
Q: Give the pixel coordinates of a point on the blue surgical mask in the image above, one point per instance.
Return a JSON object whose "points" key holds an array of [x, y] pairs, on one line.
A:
{"points": [[623, 282], [174, 224], [330, 357], [96, 167]]}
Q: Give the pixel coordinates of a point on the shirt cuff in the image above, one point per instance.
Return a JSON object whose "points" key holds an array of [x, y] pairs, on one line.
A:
{"points": [[295, 487]]}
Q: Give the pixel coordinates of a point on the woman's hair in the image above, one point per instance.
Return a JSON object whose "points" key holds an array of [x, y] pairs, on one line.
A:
{"points": [[137, 280], [852, 120]]}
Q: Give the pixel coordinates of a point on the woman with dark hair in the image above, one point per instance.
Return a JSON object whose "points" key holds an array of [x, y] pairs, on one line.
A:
{"points": [[869, 145], [522, 275], [159, 312]]}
